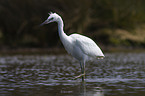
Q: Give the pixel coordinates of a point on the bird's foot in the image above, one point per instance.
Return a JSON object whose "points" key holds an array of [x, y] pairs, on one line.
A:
{"points": [[79, 76]]}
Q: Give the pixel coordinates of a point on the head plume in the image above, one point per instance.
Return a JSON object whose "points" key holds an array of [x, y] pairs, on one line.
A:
{"points": [[51, 13]]}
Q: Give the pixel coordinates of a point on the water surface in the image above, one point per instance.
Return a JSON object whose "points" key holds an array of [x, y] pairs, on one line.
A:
{"points": [[119, 74]]}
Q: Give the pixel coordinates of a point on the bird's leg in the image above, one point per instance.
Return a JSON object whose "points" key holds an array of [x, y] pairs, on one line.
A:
{"points": [[82, 71]]}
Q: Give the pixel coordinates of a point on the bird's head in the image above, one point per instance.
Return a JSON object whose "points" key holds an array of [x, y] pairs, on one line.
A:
{"points": [[53, 17]]}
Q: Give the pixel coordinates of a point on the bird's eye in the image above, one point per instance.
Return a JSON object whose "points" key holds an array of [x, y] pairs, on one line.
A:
{"points": [[51, 19]]}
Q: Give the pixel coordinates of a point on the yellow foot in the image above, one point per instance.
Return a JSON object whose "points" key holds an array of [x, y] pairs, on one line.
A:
{"points": [[79, 76]]}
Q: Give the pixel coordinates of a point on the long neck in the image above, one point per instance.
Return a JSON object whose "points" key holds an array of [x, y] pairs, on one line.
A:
{"points": [[66, 40], [62, 35]]}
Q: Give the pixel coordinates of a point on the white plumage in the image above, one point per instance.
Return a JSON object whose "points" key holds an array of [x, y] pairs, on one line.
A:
{"points": [[80, 47]]}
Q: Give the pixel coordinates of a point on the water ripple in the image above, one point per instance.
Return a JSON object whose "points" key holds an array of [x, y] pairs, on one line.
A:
{"points": [[117, 71]]}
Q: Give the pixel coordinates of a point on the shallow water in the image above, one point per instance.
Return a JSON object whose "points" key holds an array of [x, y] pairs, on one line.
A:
{"points": [[119, 74]]}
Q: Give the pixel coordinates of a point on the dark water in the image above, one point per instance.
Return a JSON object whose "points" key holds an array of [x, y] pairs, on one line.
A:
{"points": [[119, 74]]}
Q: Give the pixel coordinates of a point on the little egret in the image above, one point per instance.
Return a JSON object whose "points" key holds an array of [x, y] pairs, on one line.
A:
{"points": [[80, 47]]}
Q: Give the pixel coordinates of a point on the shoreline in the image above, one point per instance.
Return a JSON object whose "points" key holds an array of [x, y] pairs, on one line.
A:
{"points": [[56, 51]]}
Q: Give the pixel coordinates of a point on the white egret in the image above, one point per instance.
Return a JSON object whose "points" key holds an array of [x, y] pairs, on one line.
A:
{"points": [[80, 47]]}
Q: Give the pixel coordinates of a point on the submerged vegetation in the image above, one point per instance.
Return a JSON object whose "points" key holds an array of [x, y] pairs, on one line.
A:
{"points": [[109, 22]]}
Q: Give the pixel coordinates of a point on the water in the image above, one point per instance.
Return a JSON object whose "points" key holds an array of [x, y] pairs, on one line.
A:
{"points": [[119, 74]]}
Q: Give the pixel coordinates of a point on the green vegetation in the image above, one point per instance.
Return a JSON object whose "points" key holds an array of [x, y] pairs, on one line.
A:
{"points": [[108, 22]]}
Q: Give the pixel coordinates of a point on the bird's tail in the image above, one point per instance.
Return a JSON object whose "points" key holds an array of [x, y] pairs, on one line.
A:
{"points": [[101, 57]]}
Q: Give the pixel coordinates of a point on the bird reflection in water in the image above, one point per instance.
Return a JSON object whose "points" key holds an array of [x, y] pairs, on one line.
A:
{"points": [[98, 91]]}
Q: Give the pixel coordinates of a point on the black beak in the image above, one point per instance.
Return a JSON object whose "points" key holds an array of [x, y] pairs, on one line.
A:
{"points": [[45, 22]]}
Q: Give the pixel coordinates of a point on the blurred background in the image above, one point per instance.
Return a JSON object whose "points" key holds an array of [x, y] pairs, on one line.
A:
{"points": [[110, 23], [31, 63]]}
